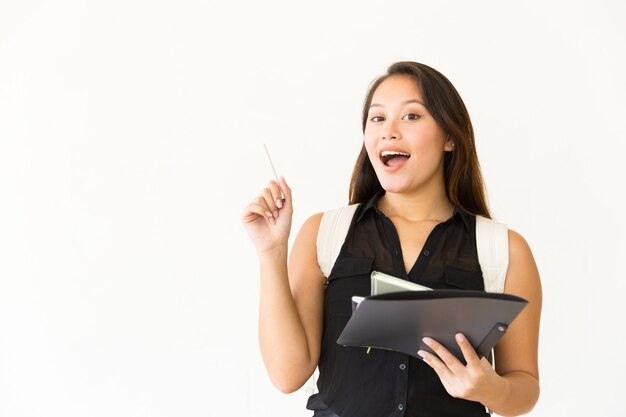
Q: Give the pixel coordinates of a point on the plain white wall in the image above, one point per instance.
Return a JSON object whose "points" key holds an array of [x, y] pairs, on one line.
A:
{"points": [[131, 138]]}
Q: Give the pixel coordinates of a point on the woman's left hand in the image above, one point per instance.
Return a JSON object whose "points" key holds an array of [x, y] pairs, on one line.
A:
{"points": [[476, 381]]}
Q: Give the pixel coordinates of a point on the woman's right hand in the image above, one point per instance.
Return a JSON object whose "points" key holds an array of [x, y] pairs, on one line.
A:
{"points": [[267, 219]]}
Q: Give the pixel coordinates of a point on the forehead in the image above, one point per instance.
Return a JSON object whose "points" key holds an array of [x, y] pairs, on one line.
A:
{"points": [[397, 88]]}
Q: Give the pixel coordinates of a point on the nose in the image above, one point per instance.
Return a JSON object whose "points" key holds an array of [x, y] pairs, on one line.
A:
{"points": [[390, 131]]}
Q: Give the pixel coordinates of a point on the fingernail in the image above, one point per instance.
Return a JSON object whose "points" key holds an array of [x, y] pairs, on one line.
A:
{"points": [[275, 214], [272, 221], [427, 340], [268, 214], [279, 203], [421, 353], [460, 337]]}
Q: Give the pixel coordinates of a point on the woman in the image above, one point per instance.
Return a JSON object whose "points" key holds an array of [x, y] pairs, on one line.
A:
{"points": [[419, 184]]}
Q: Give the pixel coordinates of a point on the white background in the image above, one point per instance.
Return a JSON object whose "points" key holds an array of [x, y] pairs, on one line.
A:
{"points": [[131, 138]]}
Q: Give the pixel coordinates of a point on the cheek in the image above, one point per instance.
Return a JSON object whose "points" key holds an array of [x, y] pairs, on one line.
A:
{"points": [[427, 141], [427, 158]]}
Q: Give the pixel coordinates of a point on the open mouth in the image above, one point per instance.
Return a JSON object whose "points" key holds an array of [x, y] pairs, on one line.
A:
{"points": [[392, 159]]}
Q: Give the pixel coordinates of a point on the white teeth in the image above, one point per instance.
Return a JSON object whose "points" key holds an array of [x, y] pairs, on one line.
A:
{"points": [[386, 153]]}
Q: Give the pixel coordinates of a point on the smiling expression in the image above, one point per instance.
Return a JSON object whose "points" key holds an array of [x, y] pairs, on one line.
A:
{"points": [[403, 141]]}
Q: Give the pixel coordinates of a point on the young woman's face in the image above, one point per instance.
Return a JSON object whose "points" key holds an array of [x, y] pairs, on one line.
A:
{"points": [[399, 123]]}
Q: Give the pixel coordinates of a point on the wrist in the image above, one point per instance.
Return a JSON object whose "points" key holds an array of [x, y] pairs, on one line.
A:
{"points": [[498, 394], [276, 253]]}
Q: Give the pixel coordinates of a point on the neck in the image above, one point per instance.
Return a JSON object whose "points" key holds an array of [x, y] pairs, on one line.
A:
{"points": [[426, 203]]}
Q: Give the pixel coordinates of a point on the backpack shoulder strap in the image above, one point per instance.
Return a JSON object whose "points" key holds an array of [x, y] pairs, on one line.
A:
{"points": [[492, 244], [331, 235]]}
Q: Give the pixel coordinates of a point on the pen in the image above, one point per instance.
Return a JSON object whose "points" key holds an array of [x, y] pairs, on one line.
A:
{"points": [[282, 196]]}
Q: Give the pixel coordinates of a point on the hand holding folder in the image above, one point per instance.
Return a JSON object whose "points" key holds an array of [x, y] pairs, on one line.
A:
{"points": [[399, 320]]}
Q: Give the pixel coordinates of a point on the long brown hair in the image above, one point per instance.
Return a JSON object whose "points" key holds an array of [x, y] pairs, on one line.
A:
{"points": [[462, 177]]}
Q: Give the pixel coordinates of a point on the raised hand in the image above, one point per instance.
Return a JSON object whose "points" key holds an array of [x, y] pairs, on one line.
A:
{"points": [[267, 219]]}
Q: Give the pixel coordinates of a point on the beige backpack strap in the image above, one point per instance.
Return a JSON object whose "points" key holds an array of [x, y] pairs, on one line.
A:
{"points": [[331, 235], [492, 243]]}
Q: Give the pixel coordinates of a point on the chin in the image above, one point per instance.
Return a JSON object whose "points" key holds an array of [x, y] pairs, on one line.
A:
{"points": [[394, 186]]}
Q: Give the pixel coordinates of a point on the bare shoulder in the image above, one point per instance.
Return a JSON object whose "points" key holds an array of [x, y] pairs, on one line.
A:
{"points": [[305, 244], [517, 244], [522, 275], [311, 226], [303, 258]]}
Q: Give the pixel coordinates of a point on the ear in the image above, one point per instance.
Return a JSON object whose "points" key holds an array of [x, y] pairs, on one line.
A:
{"points": [[449, 145]]}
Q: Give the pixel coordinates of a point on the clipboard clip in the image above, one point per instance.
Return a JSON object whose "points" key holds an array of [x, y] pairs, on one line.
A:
{"points": [[494, 335]]}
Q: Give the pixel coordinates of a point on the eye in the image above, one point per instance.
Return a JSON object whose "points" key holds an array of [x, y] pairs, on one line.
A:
{"points": [[374, 119], [412, 116]]}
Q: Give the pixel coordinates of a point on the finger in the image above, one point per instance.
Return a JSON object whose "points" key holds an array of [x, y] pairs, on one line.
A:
{"points": [[286, 190], [260, 201], [269, 201], [469, 353], [448, 358], [434, 362], [276, 196], [254, 211]]}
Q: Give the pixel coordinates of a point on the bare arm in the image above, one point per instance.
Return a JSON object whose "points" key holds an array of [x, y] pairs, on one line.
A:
{"points": [[291, 310], [291, 296], [516, 353]]}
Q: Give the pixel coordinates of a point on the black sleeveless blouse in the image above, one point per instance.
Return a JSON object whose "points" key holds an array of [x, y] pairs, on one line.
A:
{"points": [[382, 383]]}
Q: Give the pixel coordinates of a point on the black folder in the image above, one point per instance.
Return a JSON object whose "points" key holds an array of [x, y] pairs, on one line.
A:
{"points": [[398, 321]]}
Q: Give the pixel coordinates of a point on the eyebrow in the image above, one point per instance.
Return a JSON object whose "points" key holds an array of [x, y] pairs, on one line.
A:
{"points": [[404, 102]]}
